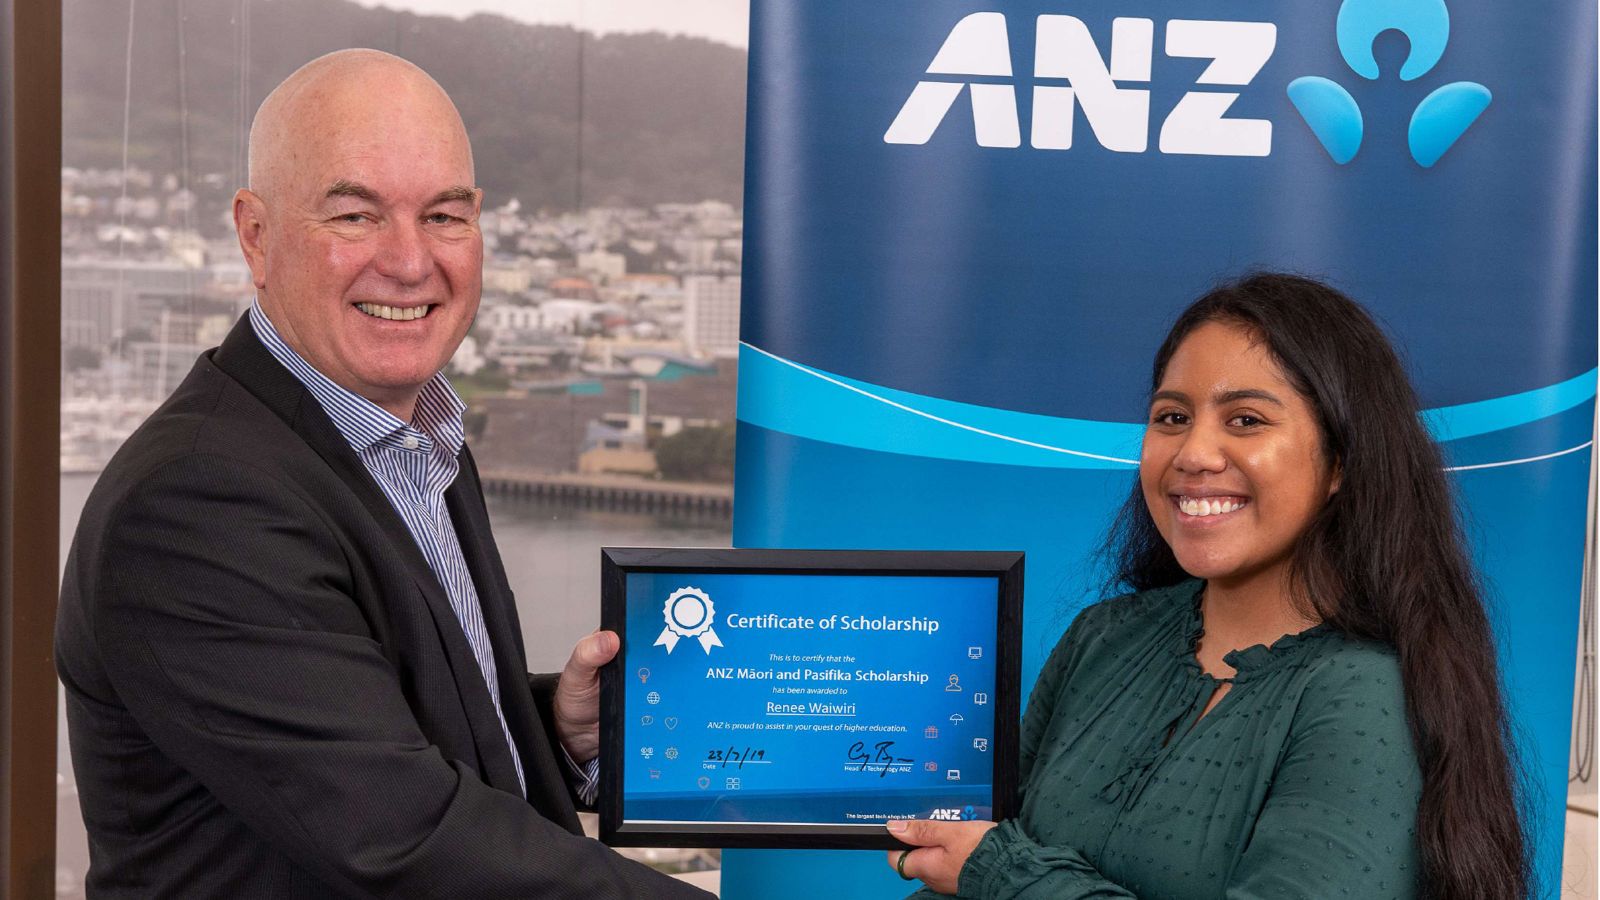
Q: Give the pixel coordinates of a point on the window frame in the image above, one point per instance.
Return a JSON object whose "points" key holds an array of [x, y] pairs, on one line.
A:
{"points": [[30, 411]]}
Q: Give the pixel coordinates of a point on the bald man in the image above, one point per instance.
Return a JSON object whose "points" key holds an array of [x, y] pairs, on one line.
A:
{"points": [[292, 661]]}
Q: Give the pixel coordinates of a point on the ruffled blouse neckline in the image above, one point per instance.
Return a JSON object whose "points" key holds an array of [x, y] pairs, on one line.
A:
{"points": [[1246, 661]]}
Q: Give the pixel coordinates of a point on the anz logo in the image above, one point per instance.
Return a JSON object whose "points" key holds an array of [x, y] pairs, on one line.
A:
{"points": [[1118, 116], [1438, 121], [1070, 71], [964, 814]]}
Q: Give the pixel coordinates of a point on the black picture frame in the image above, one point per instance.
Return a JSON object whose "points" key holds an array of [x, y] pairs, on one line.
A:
{"points": [[618, 562]]}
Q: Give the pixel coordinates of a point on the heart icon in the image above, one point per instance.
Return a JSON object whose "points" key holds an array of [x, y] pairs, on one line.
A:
{"points": [[672, 722], [646, 720]]}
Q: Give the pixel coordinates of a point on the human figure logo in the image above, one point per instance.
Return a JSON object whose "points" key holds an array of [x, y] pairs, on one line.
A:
{"points": [[1438, 121]]}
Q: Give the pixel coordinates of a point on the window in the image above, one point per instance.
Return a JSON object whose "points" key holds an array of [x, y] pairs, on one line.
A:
{"points": [[600, 371]]}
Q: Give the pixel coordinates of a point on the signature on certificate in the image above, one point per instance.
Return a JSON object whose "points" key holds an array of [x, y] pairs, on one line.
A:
{"points": [[876, 758]]}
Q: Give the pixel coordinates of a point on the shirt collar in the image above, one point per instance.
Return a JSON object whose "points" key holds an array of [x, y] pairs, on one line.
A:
{"points": [[438, 415]]}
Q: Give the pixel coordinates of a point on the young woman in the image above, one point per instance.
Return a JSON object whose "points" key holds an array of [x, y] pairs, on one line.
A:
{"points": [[1300, 699]]}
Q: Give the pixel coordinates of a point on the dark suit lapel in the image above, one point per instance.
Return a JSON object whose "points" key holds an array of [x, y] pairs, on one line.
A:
{"points": [[540, 767], [243, 356]]}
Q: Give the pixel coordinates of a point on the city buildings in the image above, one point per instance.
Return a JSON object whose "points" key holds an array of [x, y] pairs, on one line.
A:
{"points": [[602, 332], [711, 314]]}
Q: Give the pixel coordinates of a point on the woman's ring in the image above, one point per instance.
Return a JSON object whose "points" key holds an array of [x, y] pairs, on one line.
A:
{"points": [[900, 866]]}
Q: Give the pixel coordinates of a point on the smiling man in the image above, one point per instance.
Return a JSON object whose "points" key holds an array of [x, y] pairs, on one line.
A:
{"points": [[361, 223], [292, 661]]}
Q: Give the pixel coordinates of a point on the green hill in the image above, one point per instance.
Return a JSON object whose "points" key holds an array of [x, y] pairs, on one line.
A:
{"points": [[559, 118]]}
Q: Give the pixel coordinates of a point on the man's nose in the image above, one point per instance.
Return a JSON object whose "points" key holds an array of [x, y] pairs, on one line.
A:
{"points": [[1201, 451], [404, 253]]}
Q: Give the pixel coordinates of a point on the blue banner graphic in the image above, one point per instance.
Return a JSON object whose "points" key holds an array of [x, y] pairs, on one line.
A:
{"points": [[969, 224]]}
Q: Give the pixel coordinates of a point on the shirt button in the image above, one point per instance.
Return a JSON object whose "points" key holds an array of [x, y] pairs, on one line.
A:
{"points": [[410, 442]]}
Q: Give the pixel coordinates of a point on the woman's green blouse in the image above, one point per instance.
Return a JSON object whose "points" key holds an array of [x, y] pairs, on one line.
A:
{"points": [[1301, 782]]}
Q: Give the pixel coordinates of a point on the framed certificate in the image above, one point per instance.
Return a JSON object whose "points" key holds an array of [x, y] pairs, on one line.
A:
{"points": [[802, 698]]}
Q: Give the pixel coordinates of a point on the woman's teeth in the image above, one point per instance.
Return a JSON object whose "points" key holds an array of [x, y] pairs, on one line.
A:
{"points": [[396, 313], [1200, 507]]}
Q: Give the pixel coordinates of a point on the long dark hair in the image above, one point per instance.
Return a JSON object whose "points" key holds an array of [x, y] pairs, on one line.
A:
{"points": [[1383, 560]]}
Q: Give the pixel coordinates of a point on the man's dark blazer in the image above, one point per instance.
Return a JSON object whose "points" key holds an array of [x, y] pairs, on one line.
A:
{"points": [[268, 694]]}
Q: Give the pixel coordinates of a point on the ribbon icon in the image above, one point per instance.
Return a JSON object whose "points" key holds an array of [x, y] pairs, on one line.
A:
{"points": [[688, 614]]}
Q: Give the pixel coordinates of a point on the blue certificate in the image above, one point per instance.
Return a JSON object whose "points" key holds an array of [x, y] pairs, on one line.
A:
{"points": [[799, 708]]}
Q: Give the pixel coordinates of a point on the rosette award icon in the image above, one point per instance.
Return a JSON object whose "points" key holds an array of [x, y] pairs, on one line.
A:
{"points": [[688, 613]]}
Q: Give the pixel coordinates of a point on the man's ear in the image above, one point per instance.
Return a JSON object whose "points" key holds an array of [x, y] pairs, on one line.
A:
{"points": [[250, 222]]}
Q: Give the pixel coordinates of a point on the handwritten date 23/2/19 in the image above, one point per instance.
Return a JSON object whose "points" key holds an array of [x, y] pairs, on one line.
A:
{"points": [[876, 758], [720, 758]]}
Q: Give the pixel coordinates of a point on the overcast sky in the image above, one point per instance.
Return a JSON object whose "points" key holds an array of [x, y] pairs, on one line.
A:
{"points": [[727, 21]]}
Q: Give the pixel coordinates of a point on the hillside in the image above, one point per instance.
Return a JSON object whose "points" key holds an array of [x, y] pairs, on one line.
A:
{"points": [[643, 118]]}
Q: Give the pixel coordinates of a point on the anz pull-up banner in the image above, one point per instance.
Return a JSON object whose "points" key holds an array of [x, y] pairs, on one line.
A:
{"points": [[969, 224]]}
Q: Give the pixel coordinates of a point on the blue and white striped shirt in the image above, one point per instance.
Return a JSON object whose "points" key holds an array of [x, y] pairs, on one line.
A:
{"points": [[414, 463]]}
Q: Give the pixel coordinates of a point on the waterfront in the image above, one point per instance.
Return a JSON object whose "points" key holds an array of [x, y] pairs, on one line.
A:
{"points": [[552, 558]]}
